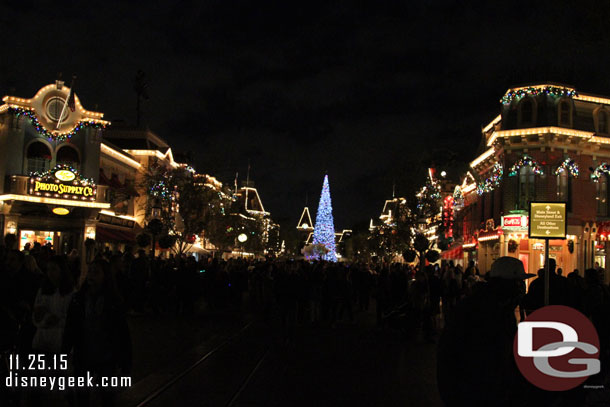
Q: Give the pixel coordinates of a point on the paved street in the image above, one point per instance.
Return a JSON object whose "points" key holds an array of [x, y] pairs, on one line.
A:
{"points": [[351, 364]]}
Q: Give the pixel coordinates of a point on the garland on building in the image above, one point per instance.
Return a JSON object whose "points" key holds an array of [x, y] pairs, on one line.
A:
{"points": [[65, 167], [525, 161], [448, 216], [493, 181], [535, 91], [18, 111], [570, 166], [603, 168], [457, 193]]}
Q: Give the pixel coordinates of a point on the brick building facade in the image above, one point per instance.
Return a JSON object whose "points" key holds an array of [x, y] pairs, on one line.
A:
{"points": [[549, 143]]}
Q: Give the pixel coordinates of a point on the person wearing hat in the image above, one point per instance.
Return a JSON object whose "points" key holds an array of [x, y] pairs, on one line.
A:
{"points": [[559, 293], [475, 364]]}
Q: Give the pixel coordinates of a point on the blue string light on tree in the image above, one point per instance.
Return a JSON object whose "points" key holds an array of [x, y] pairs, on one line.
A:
{"points": [[525, 161], [18, 111], [160, 190], [493, 181], [570, 166], [603, 168], [554, 91], [324, 231]]}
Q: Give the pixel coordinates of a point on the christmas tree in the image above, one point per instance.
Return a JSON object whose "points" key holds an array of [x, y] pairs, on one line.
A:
{"points": [[324, 231]]}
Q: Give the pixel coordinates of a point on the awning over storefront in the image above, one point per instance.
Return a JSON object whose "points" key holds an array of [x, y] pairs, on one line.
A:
{"points": [[489, 235], [112, 235], [453, 253]]}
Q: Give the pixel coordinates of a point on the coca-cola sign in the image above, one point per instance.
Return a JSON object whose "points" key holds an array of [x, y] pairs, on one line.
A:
{"points": [[514, 222]]}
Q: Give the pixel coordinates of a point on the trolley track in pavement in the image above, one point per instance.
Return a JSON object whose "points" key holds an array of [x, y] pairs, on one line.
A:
{"points": [[220, 376]]}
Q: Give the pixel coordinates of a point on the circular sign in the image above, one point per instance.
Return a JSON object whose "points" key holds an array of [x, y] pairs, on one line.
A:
{"points": [[65, 175], [61, 211], [242, 237], [557, 348], [55, 108]]}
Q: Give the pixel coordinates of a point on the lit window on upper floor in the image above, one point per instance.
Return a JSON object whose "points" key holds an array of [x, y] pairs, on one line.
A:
{"points": [[526, 186], [564, 112], [564, 189]]}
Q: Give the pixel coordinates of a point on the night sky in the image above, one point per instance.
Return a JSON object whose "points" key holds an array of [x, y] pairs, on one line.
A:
{"points": [[372, 94]]}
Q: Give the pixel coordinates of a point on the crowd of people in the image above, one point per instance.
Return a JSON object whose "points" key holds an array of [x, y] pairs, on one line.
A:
{"points": [[476, 357], [48, 305]]}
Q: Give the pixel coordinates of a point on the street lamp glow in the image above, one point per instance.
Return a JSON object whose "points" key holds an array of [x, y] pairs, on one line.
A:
{"points": [[242, 237]]}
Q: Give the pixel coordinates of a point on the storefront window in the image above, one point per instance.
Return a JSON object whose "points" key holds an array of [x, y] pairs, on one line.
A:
{"points": [[38, 158], [602, 196], [600, 254], [35, 236], [527, 186]]}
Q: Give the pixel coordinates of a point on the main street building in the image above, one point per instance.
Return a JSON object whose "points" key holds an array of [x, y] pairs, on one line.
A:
{"points": [[49, 168], [549, 143]]}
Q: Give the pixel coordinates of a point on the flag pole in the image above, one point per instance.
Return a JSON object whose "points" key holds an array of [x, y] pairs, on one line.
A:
{"points": [[63, 109]]}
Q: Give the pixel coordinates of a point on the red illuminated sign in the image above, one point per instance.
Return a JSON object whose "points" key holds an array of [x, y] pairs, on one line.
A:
{"points": [[514, 221]]}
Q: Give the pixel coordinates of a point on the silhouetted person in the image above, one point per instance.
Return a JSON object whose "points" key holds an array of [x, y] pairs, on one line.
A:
{"points": [[558, 290], [475, 364], [596, 306], [96, 330], [51, 308], [576, 290]]}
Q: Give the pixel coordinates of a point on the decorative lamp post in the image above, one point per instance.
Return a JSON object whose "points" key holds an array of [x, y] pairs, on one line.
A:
{"points": [[242, 238], [155, 225], [156, 209]]}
